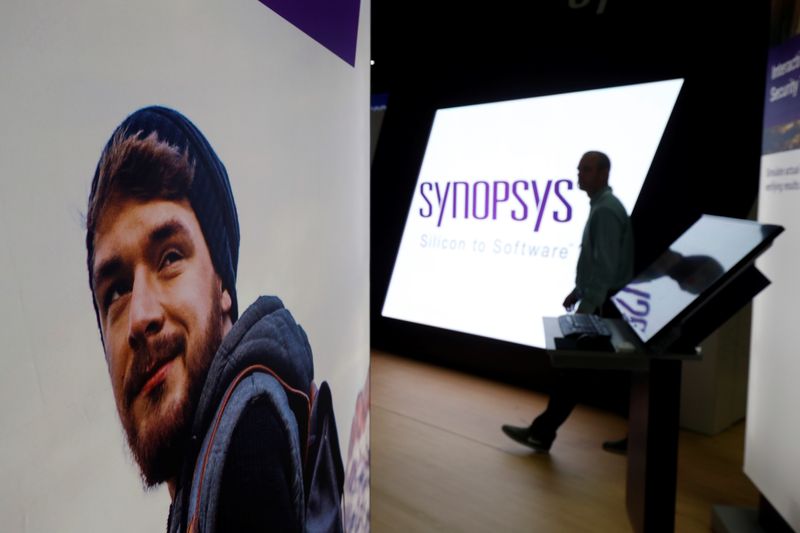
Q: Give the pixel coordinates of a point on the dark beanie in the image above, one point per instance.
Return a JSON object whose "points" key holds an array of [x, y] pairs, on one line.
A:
{"points": [[209, 195]]}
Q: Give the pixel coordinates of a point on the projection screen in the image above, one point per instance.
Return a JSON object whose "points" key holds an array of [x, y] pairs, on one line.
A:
{"points": [[494, 228]]}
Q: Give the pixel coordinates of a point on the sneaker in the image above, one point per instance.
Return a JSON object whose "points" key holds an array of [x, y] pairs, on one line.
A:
{"points": [[523, 436], [616, 446]]}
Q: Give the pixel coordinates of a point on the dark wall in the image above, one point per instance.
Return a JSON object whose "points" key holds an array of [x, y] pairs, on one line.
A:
{"points": [[445, 55]]}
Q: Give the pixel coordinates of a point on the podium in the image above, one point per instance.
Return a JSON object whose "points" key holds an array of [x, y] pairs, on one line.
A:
{"points": [[700, 281], [653, 418]]}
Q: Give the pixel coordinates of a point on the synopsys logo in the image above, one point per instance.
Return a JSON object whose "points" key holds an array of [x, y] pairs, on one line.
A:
{"points": [[518, 200]]}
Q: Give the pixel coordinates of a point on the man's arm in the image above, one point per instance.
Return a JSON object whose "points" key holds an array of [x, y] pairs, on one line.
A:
{"points": [[605, 232], [255, 494]]}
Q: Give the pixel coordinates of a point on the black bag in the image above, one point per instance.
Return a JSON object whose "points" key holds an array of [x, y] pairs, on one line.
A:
{"points": [[314, 455]]}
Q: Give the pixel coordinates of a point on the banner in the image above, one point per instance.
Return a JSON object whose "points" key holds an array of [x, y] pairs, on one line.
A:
{"points": [[286, 116]]}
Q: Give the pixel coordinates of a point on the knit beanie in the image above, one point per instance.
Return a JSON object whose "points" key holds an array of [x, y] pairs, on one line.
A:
{"points": [[209, 195]]}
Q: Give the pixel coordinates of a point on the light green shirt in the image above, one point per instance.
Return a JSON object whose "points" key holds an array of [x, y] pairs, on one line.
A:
{"points": [[605, 263]]}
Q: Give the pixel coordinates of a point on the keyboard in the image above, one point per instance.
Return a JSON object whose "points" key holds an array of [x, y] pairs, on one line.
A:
{"points": [[580, 324]]}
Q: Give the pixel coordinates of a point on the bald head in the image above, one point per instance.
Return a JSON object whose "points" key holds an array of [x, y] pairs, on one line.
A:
{"points": [[593, 170]]}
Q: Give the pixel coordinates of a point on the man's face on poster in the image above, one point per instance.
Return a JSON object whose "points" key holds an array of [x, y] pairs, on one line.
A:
{"points": [[163, 314]]}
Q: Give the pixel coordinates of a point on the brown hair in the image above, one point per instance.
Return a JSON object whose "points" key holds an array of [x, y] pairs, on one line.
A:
{"points": [[140, 168]]}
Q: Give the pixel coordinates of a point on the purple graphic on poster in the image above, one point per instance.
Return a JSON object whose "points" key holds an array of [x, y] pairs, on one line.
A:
{"points": [[332, 23], [781, 104]]}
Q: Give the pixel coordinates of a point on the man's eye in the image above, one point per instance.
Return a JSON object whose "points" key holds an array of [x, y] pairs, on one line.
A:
{"points": [[170, 258], [114, 293]]}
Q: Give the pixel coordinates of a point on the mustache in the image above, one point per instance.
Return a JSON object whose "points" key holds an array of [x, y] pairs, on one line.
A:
{"points": [[148, 358]]}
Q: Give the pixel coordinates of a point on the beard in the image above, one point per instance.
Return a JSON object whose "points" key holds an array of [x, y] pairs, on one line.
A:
{"points": [[160, 450]]}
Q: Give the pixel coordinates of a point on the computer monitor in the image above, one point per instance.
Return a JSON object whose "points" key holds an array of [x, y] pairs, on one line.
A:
{"points": [[709, 263]]}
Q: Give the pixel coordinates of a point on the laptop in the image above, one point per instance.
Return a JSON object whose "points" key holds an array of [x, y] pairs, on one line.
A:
{"points": [[703, 278]]}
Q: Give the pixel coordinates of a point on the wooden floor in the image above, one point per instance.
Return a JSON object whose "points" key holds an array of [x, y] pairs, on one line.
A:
{"points": [[439, 461]]}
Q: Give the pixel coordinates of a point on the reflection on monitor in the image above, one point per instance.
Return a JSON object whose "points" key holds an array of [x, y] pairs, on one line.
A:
{"points": [[494, 228], [711, 251]]}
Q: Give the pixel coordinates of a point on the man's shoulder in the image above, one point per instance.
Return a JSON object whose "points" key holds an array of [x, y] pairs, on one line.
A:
{"points": [[608, 204], [265, 336]]}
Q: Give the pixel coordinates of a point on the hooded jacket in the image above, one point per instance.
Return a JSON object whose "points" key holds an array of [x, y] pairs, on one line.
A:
{"points": [[263, 466]]}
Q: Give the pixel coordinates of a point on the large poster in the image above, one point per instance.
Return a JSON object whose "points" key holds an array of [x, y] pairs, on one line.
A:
{"points": [[282, 102], [771, 461]]}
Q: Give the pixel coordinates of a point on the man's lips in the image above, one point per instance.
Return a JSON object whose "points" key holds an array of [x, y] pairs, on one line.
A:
{"points": [[157, 378], [151, 365]]}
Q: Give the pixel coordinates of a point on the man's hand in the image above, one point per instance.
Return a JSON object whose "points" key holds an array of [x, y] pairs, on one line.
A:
{"points": [[570, 301]]}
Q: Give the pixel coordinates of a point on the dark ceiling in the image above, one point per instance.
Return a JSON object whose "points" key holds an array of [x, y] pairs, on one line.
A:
{"points": [[456, 46]]}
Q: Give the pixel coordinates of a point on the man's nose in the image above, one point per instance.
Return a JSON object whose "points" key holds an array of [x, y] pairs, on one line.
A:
{"points": [[146, 315]]}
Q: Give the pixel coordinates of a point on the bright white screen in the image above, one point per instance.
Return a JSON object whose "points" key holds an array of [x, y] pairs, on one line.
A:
{"points": [[497, 269]]}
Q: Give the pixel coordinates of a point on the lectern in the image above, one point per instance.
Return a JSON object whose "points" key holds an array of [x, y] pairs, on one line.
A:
{"points": [[698, 283]]}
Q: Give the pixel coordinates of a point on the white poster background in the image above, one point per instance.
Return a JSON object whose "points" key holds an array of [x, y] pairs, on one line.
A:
{"points": [[481, 276], [290, 121], [771, 458]]}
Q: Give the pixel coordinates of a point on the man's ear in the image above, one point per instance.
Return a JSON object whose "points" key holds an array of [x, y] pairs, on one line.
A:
{"points": [[226, 302]]}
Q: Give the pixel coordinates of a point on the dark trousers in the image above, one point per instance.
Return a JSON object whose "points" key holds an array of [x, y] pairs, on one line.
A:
{"points": [[575, 385]]}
